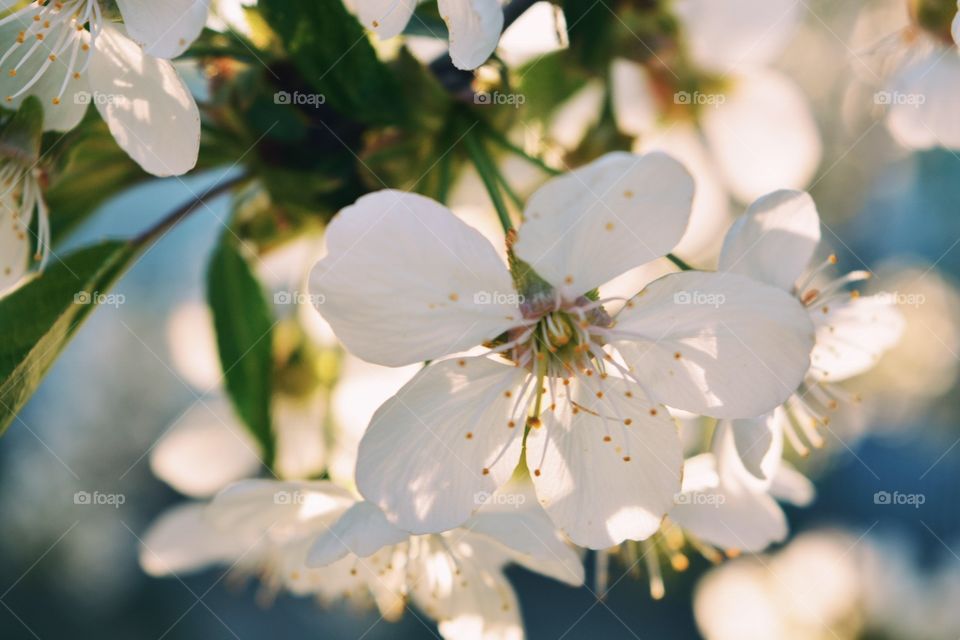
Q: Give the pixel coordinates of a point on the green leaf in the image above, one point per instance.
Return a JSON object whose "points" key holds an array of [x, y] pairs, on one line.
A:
{"points": [[38, 320], [244, 323], [331, 50]]}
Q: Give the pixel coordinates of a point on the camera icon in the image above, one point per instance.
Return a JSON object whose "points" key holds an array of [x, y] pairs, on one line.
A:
{"points": [[82, 97], [482, 97], [282, 297], [480, 497], [682, 97], [682, 297], [83, 297], [682, 498], [883, 97], [282, 497], [882, 497], [282, 97], [82, 497], [482, 297]]}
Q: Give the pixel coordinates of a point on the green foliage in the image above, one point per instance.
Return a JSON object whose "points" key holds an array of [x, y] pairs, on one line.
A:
{"points": [[331, 51], [244, 324], [39, 319]]}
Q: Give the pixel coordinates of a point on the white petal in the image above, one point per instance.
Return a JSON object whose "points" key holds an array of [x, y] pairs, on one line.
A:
{"points": [[763, 136], [588, 226], [956, 28], [601, 492], [181, 541], [728, 36], [387, 18], [513, 518], [728, 516], [256, 507], [924, 99], [72, 97], [475, 27], [148, 108], [540, 30], [405, 281], [717, 344], [634, 101], [164, 29], [759, 442], [205, 450], [774, 240], [434, 452], [710, 215], [192, 344], [852, 335], [361, 531], [789, 485]]}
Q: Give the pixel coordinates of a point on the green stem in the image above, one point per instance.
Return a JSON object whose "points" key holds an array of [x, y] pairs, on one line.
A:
{"points": [[489, 174], [683, 266]]}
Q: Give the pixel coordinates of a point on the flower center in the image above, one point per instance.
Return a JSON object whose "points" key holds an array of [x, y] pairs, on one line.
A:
{"points": [[52, 33]]}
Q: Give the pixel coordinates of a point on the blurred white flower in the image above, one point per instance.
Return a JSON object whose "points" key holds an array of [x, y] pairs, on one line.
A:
{"points": [[70, 54], [435, 444], [474, 25], [774, 242]]}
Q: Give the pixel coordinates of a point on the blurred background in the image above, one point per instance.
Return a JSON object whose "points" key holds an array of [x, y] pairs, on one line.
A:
{"points": [[855, 566]]}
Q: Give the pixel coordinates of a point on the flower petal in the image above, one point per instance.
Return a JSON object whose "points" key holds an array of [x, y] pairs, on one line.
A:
{"points": [[924, 98], [852, 335], [405, 281], [387, 18], [789, 485], [588, 226], [475, 27], [717, 344], [63, 104], [763, 136], [759, 442], [181, 540], [435, 451], [774, 240], [607, 472], [728, 36], [164, 29], [361, 531], [205, 450], [146, 105], [515, 520], [634, 101]]}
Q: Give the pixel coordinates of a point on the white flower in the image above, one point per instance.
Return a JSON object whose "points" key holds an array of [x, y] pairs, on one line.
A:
{"points": [[24, 224], [474, 25], [455, 577], [774, 242], [725, 505], [69, 54], [753, 133], [406, 281]]}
